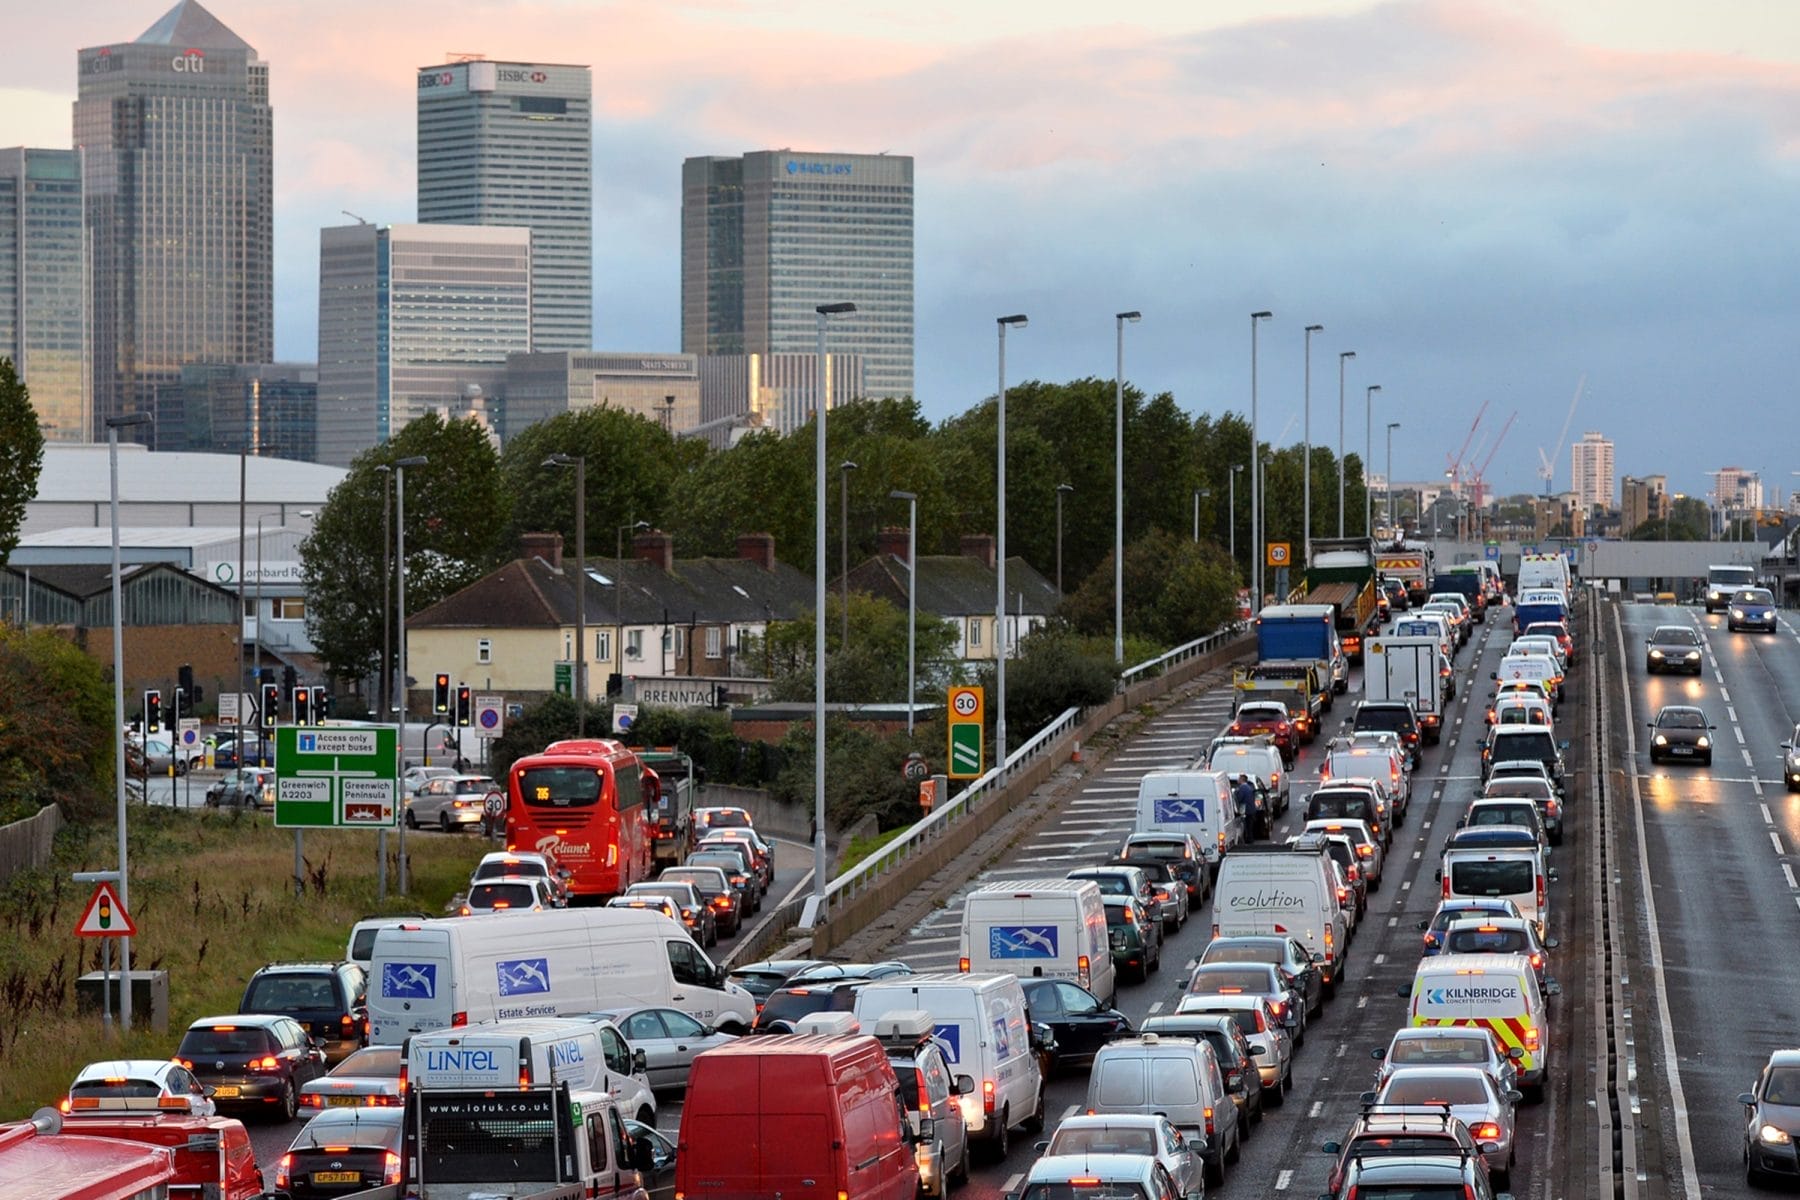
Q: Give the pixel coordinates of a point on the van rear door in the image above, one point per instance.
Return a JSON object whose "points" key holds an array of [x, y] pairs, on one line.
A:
{"points": [[412, 984]]}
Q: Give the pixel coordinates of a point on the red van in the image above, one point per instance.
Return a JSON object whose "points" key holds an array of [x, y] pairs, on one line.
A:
{"points": [[801, 1117]]}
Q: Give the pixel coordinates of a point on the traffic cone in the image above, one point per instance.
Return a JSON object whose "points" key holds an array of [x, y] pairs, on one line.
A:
{"points": [[1076, 755]]}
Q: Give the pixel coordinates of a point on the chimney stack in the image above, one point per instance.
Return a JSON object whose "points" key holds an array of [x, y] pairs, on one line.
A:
{"points": [[547, 546], [655, 546], [979, 546], [758, 548], [891, 541]]}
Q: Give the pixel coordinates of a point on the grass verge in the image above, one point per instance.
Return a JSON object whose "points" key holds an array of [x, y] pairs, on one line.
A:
{"points": [[862, 847], [212, 894]]}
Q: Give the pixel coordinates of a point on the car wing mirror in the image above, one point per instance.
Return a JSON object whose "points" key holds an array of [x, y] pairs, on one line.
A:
{"points": [[1552, 943], [1746, 1098], [1367, 1098], [1513, 1096], [963, 1085], [1403, 990], [640, 1062], [1332, 1147], [1553, 988], [643, 1155]]}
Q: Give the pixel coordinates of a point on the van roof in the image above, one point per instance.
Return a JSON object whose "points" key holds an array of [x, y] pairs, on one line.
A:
{"points": [[976, 980], [1473, 964], [1023, 889]]}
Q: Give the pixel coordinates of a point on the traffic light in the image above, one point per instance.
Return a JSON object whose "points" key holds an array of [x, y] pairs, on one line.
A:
{"points": [[271, 704], [303, 706], [153, 721], [289, 679], [440, 695], [177, 708], [465, 705]]}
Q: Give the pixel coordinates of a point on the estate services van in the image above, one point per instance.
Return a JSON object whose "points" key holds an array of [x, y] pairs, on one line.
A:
{"points": [[447, 973], [1040, 929], [1495, 992], [1197, 803]]}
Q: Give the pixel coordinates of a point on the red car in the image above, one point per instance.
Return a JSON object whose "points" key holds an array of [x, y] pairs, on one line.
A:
{"points": [[1270, 719]]}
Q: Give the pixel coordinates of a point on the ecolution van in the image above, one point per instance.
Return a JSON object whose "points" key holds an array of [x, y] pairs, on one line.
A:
{"points": [[1288, 890], [1040, 929]]}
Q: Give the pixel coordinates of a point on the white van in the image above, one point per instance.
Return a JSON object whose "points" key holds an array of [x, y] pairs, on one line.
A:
{"points": [[1040, 929], [1495, 992], [1173, 1077], [447, 973], [590, 1054], [985, 1030], [1284, 889], [1197, 803], [1498, 872], [1532, 668], [1544, 571]]}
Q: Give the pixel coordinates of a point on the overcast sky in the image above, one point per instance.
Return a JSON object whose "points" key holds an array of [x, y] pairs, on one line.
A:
{"points": [[1486, 201]]}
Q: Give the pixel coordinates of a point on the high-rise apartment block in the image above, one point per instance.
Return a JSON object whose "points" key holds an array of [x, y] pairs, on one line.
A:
{"points": [[1737, 489], [1591, 471], [505, 143], [768, 237], [1642, 501], [177, 136], [43, 287], [415, 319]]}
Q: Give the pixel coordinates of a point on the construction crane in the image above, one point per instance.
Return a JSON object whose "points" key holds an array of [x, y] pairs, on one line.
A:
{"points": [[1478, 480], [1547, 463]]}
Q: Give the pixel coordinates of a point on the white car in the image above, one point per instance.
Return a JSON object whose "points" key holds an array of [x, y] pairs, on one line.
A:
{"points": [[367, 1078], [509, 894], [137, 1084]]}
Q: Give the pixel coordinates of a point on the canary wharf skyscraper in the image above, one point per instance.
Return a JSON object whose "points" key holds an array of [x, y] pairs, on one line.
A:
{"points": [[177, 133], [507, 143]]}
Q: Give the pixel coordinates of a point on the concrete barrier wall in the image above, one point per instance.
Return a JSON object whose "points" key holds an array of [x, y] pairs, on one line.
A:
{"points": [[792, 822], [850, 916], [28, 843]]}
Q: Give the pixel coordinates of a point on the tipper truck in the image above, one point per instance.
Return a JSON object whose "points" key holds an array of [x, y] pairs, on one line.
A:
{"points": [[1342, 574], [1297, 635]]}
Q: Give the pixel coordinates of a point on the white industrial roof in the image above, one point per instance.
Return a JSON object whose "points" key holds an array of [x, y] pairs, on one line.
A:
{"points": [[184, 537], [79, 474]]}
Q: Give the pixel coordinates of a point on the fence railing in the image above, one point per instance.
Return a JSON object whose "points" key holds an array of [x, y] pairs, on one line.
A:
{"points": [[936, 823]]}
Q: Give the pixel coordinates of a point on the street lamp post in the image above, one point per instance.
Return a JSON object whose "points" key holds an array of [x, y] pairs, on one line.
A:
{"points": [[1119, 488], [1062, 489], [1199, 493], [1231, 514], [618, 648], [400, 465], [1256, 498], [1306, 473], [262, 743], [1344, 356], [824, 312], [1391, 426], [579, 462], [113, 425], [844, 469], [1017, 320], [912, 595], [1369, 453], [384, 690]]}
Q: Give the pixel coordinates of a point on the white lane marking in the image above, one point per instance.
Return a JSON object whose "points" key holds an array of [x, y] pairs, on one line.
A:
{"points": [[1393, 921], [1787, 873], [1379, 959], [1406, 884], [1726, 697], [1740, 734], [1282, 1180], [1731, 712], [1775, 838], [1317, 1108], [1416, 853], [1751, 763], [1428, 823], [927, 941], [1341, 1048], [1012, 1184], [1071, 1111], [1768, 817], [1684, 1137], [1362, 1002], [1156, 1007]]}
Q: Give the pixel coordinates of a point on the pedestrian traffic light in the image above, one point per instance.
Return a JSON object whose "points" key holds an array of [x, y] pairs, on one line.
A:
{"points": [[440, 695], [271, 703], [303, 706], [152, 712], [465, 705]]}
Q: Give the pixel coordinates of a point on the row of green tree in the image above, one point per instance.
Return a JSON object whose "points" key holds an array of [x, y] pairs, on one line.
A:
{"points": [[467, 507]]}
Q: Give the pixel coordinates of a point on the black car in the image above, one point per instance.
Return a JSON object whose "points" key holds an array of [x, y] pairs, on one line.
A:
{"points": [[252, 1062], [1772, 1121], [1075, 1016], [786, 1005], [1395, 591], [735, 863], [330, 1000], [1680, 732], [1299, 970], [1237, 1058], [343, 1150], [1672, 648], [761, 979], [715, 887], [1391, 716], [659, 1180], [244, 752]]}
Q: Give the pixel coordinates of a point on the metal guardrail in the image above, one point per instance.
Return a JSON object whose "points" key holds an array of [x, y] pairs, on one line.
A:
{"points": [[934, 824]]}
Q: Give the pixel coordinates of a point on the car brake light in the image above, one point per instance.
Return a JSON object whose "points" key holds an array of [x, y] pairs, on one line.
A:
{"points": [[1446, 887], [1343, 894], [312, 1100], [283, 1171], [1208, 1113], [987, 1095], [1531, 1038], [1084, 1181], [1537, 960], [962, 965], [458, 1020], [390, 1169], [1365, 851], [267, 1062], [1081, 969]]}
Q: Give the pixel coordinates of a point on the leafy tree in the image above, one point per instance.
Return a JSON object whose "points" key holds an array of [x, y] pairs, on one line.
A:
{"points": [[21, 455], [1175, 591], [862, 771], [1055, 670], [56, 727], [873, 669], [456, 506]]}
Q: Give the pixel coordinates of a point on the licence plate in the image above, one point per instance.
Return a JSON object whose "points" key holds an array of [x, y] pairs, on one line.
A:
{"points": [[1681, 750], [343, 1101], [337, 1176], [226, 1092]]}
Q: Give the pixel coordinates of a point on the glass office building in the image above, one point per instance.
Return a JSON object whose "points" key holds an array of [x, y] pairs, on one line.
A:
{"points": [[226, 407], [504, 143], [43, 287], [177, 136], [768, 237], [415, 319]]}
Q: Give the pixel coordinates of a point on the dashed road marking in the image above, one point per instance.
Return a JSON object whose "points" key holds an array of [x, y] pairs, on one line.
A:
{"points": [[1156, 1007], [1379, 959], [1317, 1108], [1282, 1180], [1406, 884], [1775, 839], [1768, 817], [1362, 1002], [1067, 1113], [1012, 1183], [1788, 874], [1393, 921]]}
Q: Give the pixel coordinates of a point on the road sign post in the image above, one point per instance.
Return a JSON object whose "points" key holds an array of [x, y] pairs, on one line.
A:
{"points": [[967, 724], [333, 778], [490, 716]]}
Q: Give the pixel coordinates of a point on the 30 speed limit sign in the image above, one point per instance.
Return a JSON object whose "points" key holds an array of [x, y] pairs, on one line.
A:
{"points": [[966, 704], [1277, 554]]}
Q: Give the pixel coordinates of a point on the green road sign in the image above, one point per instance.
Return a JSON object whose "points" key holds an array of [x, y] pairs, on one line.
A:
{"points": [[565, 679], [965, 751], [336, 778]]}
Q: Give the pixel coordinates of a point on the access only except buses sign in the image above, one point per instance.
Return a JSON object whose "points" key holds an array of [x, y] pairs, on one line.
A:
{"points": [[331, 778]]}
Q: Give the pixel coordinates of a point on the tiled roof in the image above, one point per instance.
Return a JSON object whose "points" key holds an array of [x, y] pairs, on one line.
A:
{"points": [[956, 585]]}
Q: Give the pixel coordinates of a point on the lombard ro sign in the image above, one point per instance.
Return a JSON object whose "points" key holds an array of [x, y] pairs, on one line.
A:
{"points": [[1022, 941]]}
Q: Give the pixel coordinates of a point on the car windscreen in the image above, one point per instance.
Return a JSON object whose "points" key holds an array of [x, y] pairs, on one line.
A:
{"points": [[1524, 746], [285, 992], [1680, 719], [1504, 814], [1783, 1086], [1754, 596], [1213, 978], [1352, 806], [473, 787], [705, 881], [726, 818], [517, 866], [1441, 1051], [1674, 635], [678, 894], [496, 895], [1501, 877], [216, 1040], [371, 1062], [1234, 951], [117, 1088], [1084, 1189], [1383, 717], [1497, 941], [1109, 885], [1441, 1088], [1523, 787], [1730, 575], [358, 1128], [561, 787], [1102, 1140]]}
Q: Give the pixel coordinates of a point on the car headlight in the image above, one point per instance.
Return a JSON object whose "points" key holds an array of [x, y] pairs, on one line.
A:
{"points": [[1656, 654], [1661, 740], [1703, 743], [1773, 1136], [1693, 654], [1737, 614]]}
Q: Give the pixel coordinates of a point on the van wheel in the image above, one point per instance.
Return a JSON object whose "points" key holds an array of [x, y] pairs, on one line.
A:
{"points": [[1035, 1123], [1234, 1153], [290, 1103], [1215, 1170], [1001, 1142], [960, 1175]]}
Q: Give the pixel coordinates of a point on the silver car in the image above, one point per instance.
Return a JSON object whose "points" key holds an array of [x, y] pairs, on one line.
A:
{"points": [[1131, 1133], [1255, 977], [669, 1039], [1472, 1098], [449, 802], [1268, 1039], [1447, 1046]]}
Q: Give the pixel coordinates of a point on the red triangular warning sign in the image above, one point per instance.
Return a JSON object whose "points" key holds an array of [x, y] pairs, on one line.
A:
{"points": [[105, 915]]}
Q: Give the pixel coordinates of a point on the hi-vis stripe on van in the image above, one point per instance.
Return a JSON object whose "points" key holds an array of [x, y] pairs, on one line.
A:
{"points": [[1495, 992]]}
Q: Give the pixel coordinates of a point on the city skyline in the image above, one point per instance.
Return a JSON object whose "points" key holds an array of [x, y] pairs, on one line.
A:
{"points": [[1483, 200]]}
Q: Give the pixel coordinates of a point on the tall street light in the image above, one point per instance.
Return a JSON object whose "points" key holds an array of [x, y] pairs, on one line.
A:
{"points": [[1231, 517], [400, 466], [824, 312], [1119, 488], [1199, 494], [244, 454], [1306, 473], [579, 462], [113, 425], [1062, 489], [844, 469], [912, 595], [1256, 551], [1017, 320], [385, 691], [618, 648], [1391, 426], [1344, 356], [1369, 453]]}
